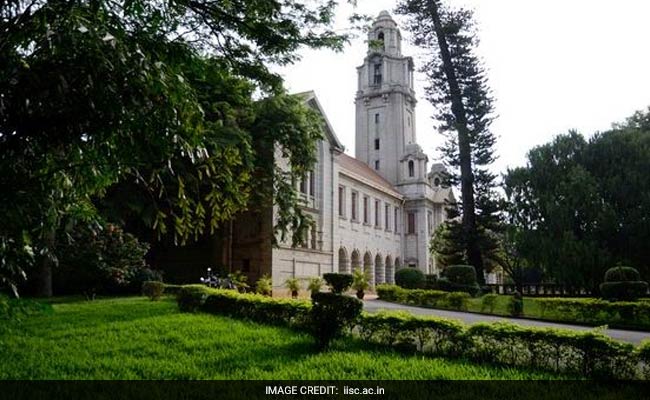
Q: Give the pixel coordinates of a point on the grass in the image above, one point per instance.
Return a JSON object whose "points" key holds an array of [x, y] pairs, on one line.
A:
{"points": [[134, 338]]}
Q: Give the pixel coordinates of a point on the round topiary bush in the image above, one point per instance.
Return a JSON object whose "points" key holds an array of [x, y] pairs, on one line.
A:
{"points": [[409, 278], [622, 274], [459, 278], [338, 283], [623, 284]]}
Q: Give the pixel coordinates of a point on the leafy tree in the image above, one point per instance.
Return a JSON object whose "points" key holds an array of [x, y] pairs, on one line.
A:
{"points": [[459, 92], [156, 95], [582, 206]]}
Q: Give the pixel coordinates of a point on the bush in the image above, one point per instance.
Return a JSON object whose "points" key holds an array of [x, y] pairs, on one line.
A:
{"points": [[623, 291], [153, 290], [643, 352], [338, 283], [621, 274], [459, 278], [425, 298], [264, 285], [597, 312], [516, 305], [331, 313], [409, 278], [431, 282], [172, 289], [101, 261], [488, 302], [315, 284], [460, 274], [191, 297], [258, 308]]}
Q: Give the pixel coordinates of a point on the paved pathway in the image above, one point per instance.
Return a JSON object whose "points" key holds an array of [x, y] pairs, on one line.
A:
{"points": [[372, 305]]}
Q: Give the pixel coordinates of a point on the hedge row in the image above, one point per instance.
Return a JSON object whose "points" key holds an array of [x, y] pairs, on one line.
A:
{"points": [[593, 311], [253, 307], [588, 354], [422, 297]]}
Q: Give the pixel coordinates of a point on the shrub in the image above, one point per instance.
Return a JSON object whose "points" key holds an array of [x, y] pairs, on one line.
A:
{"points": [[315, 284], [488, 302], [331, 313], [106, 260], [360, 280], [516, 305], [643, 352], [153, 290], [459, 278], [258, 308], [431, 282], [172, 289], [623, 283], [623, 291], [338, 283], [621, 274], [240, 281], [191, 297], [457, 300], [421, 297], [598, 312], [409, 278], [293, 284], [264, 285]]}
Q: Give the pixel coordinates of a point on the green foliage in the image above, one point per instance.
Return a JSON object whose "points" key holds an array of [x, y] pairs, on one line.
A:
{"points": [[151, 103], [622, 273], [255, 307], [172, 289], [103, 260], [643, 352], [153, 290], [431, 282], [599, 312], [78, 333], [264, 285], [360, 280], [315, 284], [409, 278], [623, 291], [293, 284], [516, 305], [331, 313], [459, 91], [240, 281], [488, 302], [425, 298], [338, 283], [459, 278], [623, 283], [191, 297], [599, 219]]}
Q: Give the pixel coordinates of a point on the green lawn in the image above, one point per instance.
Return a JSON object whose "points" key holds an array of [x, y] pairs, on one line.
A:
{"points": [[134, 338]]}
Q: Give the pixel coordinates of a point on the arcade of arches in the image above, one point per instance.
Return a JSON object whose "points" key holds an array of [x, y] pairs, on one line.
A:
{"points": [[380, 269]]}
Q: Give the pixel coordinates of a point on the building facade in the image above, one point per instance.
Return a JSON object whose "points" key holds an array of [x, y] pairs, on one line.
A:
{"points": [[377, 210]]}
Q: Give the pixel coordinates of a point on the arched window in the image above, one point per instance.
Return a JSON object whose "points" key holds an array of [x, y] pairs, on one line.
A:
{"points": [[380, 38], [376, 77], [411, 168], [436, 182]]}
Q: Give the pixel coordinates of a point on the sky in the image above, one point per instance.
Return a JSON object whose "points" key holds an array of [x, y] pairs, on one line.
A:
{"points": [[553, 65]]}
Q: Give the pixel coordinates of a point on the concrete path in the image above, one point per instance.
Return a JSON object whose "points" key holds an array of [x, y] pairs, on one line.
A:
{"points": [[371, 304]]}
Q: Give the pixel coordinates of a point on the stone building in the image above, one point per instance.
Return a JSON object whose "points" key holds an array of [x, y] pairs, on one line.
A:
{"points": [[377, 210]]}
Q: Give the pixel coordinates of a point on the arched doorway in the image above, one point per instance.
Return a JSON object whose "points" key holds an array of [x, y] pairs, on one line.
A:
{"points": [[367, 267], [356, 260], [344, 262], [398, 264], [380, 273], [390, 273]]}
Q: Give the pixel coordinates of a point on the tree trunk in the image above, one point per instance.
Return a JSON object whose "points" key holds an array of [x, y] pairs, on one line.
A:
{"points": [[474, 256], [44, 275]]}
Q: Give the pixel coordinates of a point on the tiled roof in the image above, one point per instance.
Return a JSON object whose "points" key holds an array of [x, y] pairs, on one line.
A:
{"points": [[360, 168]]}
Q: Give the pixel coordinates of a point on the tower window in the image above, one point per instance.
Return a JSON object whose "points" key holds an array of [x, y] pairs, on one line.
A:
{"points": [[377, 118], [380, 36], [411, 223], [376, 144], [411, 168], [377, 74], [436, 182], [377, 165]]}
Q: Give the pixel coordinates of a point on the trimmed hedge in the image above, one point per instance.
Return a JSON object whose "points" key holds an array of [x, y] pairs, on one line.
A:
{"points": [[338, 283], [331, 313], [587, 354], [621, 274], [425, 298], [409, 278], [459, 278], [594, 311], [624, 290]]}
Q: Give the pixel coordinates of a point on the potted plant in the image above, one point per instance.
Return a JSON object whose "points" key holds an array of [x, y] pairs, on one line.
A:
{"points": [[315, 285], [264, 285], [360, 282], [293, 284], [239, 281]]}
